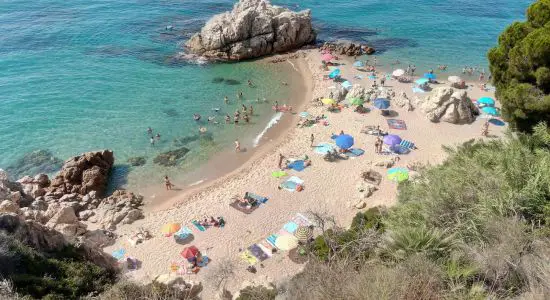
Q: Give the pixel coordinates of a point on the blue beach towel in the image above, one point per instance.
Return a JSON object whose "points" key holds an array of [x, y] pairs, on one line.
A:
{"points": [[271, 239], [417, 90], [372, 77], [119, 254], [258, 198], [354, 152], [324, 148], [198, 226], [407, 144], [291, 183], [183, 232], [297, 165], [290, 227]]}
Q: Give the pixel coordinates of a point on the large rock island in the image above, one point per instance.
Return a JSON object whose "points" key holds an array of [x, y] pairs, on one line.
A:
{"points": [[252, 29]]}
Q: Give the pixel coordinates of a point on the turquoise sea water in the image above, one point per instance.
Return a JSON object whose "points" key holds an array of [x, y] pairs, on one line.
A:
{"points": [[83, 75]]}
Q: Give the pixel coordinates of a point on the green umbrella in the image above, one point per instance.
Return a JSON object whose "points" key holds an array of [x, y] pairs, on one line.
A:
{"points": [[398, 174], [356, 101]]}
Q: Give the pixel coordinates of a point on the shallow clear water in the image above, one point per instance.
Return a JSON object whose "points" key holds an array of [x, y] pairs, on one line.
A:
{"points": [[83, 75]]}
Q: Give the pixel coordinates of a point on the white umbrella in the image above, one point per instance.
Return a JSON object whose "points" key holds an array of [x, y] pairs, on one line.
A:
{"points": [[398, 73], [454, 79]]}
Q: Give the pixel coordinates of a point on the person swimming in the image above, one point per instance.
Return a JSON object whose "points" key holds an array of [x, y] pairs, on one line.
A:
{"points": [[157, 137], [196, 117], [149, 130]]}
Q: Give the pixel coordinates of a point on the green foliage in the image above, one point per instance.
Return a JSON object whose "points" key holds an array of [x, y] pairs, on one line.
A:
{"points": [[61, 275], [520, 65], [257, 293]]}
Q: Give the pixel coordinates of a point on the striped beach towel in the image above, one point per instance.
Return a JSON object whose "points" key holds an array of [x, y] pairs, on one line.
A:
{"points": [[407, 144]]}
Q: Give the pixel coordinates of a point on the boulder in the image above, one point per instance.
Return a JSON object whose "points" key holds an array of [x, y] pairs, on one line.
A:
{"points": [[253, 28], [42, 180], [7, 206], [85, 214], [3, 175], [137, 161], [84, 173], [65, 215], [121, 207], [402, 100], [357, 91], [449, 105], [99, 238]]}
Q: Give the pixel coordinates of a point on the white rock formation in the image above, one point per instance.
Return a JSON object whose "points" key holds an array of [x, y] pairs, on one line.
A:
{"points": [[449, 105], [253, 28]]}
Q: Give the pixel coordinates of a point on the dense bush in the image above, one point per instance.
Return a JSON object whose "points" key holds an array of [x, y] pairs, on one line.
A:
{"points": [[475, 227], [60, 275], [520, 66]]}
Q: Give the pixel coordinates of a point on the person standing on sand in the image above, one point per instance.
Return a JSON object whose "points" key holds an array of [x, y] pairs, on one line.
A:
{"points": [[167, 183], [376, 145], [237, 146], [312, 138], [382, 81], [485, 129], [281, 159]]}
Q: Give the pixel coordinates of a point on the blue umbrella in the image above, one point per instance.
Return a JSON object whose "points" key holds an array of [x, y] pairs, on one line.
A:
{"points": [[358, 64], [421, 81], [334, 74], [430, 76], [486, 100], [496, 122], [344, 141], [381, 103], [391, 139], [490, 111]]}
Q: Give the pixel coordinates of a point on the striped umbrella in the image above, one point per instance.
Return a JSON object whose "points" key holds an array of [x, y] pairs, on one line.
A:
{"points": [[303, 233]]}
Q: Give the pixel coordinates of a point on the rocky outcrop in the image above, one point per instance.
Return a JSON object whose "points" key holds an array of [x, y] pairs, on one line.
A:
{"points": [[253, 28], [83, 174], [170, 158], [122, 207], [347, 48], [356, 91], [449, 105]]}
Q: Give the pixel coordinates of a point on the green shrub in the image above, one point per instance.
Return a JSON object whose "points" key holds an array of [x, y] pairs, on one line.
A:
{"points": [[257, 293]]}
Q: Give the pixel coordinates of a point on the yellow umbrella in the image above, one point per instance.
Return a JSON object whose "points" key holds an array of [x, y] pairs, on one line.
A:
{"points": [[170, 229], [328, 101], [286, 242]]}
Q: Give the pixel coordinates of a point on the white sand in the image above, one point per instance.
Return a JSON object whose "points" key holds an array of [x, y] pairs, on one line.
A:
{"points": [[328, 186]]}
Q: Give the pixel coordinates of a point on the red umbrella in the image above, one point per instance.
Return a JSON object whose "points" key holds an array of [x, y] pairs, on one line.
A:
{"points": [[189, 252]]}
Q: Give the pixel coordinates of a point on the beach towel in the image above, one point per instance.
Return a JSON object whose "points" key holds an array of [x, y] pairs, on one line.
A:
{"points": [[266, 247], [244, 209], [119, 254], [407, 144], [249, 258], [204, 262], [260, 199], [297, 165], [278, 174], [290, 227], [257, 252], [271, 240], [354, 152], [291, 183], [198, 226], [324, 148], [301, 220], [372, 77], [397, 124]]}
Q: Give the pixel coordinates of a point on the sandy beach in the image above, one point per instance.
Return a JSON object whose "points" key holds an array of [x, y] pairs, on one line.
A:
{"points": [[330, 187]]}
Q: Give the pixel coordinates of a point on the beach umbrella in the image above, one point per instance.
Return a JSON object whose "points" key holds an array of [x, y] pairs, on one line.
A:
{"points": [[392, 139], [398, 174], [189, 252], [358, 64], [328, 101], [303, 233], [286, 242], [486, 101], [327, 57], [454, 79], [170, 229], [398, 73], [496, 122], [422, 81], [430, 76], [356, 101], [344, 141], [381, 103], [489, 110], [335, 73], [347, 85]]}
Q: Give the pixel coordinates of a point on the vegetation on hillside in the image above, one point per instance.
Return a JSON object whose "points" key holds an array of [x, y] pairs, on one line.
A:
{"points": [[477, 226], [520, 66]]}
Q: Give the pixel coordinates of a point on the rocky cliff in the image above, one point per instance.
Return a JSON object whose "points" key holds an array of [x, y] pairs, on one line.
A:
{"points": [[252, 29]]}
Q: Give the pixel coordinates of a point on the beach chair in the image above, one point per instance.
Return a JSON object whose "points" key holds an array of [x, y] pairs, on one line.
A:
{"points": [[407, 144]]}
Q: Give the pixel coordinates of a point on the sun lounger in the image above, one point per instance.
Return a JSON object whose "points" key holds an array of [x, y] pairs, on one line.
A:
{"points": [[244, 209], [257, 252], [271, 239]]}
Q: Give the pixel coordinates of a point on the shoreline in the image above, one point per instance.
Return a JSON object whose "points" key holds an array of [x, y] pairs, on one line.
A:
{"points": [[217, 168]]}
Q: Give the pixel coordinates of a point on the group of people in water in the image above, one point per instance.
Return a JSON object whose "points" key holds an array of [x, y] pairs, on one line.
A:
{"points": [[153, 137]]}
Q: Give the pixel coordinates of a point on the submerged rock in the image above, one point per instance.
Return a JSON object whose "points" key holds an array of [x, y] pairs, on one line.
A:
{"points": [[171, 158], [40, 161], [232, 82], [137, 161], [217, 80], [347, 48], [253, 28]]}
